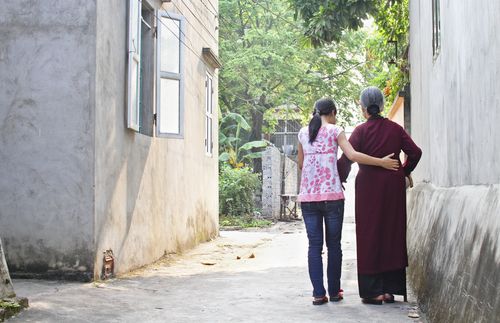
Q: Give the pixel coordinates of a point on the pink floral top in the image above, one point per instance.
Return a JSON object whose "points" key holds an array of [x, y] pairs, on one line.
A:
{"points": [[320, 179]]}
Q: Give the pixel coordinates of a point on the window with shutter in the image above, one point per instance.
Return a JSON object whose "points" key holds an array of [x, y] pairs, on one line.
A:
{"points": [[134, 63], [209, 99], [170, 82]]}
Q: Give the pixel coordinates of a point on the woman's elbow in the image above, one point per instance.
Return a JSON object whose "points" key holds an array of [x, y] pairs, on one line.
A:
{"points": [[354, 157], [418, 154]]}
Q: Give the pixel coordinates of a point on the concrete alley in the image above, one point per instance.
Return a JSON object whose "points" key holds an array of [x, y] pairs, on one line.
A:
{"points": [[269, 283]]}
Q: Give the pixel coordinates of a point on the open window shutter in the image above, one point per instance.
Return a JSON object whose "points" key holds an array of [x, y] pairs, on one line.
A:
{"points": [[134, 63], [170, 83]]}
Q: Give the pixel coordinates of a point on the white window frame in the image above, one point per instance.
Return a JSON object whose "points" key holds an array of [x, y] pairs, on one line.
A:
{"points": [[209, 113], [134, 65], [172, 76]]}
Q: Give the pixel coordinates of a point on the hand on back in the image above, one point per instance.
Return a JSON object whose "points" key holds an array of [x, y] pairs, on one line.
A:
{"points": [[389, 163]]}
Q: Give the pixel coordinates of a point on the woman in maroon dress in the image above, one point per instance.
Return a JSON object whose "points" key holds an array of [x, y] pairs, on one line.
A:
{"points": [[380, 202]]}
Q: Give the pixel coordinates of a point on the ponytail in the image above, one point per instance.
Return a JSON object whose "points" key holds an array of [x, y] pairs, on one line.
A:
{"points": [[314, 126], [321, 107]]}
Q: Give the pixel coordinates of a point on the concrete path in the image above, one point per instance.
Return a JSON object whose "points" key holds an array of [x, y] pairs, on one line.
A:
{"points": [[240, 277], [209, 284]]}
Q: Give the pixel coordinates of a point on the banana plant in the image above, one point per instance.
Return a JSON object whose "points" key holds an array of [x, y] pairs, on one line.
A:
{"points": [[232, 148]]}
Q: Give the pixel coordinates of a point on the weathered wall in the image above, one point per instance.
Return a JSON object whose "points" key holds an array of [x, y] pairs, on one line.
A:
{"points": [[454, 103], [276, 167], [46, 135], [271, 182], [290, 176], [455, 254], [153, 195], [453, 213]]}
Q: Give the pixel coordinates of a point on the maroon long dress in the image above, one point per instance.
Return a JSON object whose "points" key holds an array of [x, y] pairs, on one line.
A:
{"points": [[380, 206]]}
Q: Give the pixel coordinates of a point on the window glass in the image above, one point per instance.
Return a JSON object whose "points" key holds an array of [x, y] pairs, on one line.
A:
{"points": [[169, 106], [170, 35], [208, 114]]}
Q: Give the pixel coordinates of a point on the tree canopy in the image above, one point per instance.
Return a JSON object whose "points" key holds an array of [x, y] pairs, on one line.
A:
{"points": [[270, 65], [325, 20], [267, 64]]}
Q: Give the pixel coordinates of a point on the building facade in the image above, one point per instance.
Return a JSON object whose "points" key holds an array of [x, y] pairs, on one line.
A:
{"points": [[453, 218], [108, 129]]}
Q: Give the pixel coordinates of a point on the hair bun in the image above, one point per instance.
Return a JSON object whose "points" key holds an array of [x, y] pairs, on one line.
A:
{"points": [[373, 109]]}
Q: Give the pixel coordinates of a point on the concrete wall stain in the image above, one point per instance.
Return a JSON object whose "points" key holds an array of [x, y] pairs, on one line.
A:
{"points": [[454, 257]]}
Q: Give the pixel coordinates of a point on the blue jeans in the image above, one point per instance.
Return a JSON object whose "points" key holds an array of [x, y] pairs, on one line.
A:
{"points": [[332, 213]]}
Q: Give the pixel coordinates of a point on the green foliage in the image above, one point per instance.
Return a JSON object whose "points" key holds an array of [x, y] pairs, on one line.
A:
{"points": [[230, 141], [324, 21], [392, 18], [266, 65], [328, 21], [243, 222], [393, 24], [8, 303], [236, 191]]}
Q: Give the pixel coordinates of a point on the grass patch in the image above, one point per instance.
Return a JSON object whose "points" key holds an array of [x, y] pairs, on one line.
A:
{"points": [[8, 304], [11, 307], [243, 222]]}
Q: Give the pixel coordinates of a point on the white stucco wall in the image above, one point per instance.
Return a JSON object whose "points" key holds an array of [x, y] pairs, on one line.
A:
{"points": [[47, 59], [74, 181], [453, 212], [153, 195], [455, 105]]}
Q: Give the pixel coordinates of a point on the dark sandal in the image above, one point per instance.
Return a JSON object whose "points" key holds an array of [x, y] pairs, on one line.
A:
{"points": [[320, 300], [389, 299], [338, 297], [371, 301]]}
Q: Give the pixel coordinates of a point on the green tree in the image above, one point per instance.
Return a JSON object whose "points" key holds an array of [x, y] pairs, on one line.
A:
{"points": [[267, 64], [324, 21], [232, 150], [263, 66], [393, 23], [327, 21]]}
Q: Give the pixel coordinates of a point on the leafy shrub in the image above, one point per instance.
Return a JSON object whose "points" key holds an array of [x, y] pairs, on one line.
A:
{"points": [[241, 222], [236, 190]]}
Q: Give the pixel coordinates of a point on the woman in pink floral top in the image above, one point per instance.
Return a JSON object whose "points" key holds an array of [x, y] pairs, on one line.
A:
{"points": [[321, 195]]}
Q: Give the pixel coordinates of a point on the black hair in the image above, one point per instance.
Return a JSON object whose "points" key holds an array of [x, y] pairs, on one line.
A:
{"points": [[321, 107], [373, 110]]}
